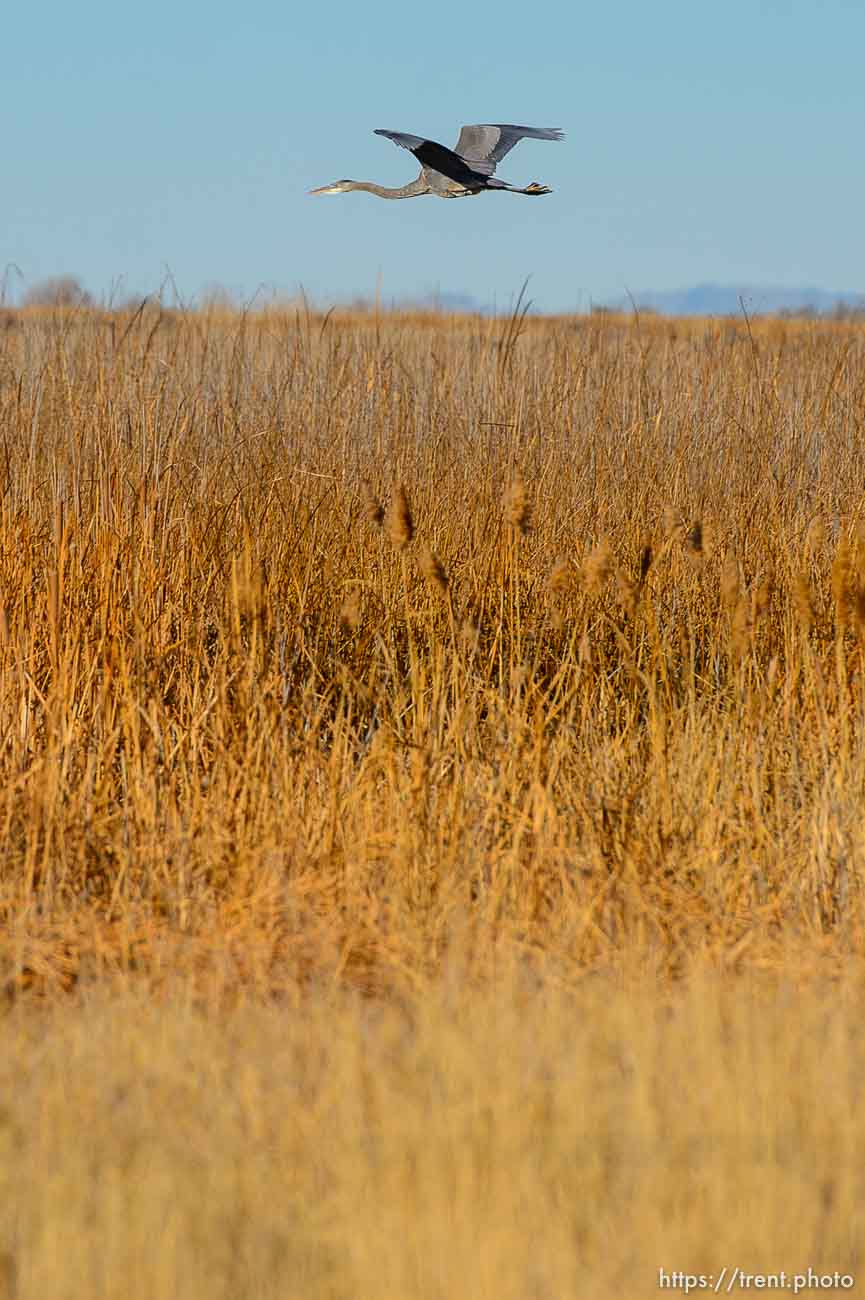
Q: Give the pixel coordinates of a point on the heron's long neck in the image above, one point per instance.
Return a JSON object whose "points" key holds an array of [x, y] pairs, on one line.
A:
{"points": [[403, 192]]}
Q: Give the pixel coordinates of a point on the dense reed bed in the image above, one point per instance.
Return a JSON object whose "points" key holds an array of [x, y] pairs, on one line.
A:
{"points": [[429, 747], [341, 637]]}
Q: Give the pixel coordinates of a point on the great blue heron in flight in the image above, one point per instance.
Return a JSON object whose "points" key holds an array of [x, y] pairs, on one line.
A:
{"points": [[455, 173]]}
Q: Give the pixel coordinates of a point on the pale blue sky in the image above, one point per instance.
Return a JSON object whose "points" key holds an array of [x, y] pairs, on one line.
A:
{"points": [[715, 142]]}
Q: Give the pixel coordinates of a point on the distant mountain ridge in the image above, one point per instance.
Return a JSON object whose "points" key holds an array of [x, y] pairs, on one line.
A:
{"points": [[724, 300], [698, 300]]}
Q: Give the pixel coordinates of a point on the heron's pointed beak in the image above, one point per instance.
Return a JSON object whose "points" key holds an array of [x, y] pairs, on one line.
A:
{"points": [[326, 189]]}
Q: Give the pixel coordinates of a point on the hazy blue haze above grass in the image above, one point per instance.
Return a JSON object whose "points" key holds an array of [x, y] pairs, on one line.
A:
{"points": [[715, 143]]}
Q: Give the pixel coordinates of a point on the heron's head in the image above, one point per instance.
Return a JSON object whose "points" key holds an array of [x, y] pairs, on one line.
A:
{"points": [[338, 187]]}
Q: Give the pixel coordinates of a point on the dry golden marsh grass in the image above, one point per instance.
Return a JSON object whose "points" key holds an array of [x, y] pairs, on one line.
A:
{"points": [[431, 786]]}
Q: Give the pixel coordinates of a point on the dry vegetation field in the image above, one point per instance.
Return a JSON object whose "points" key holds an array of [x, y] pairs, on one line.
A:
{"points": [[432, 763]]}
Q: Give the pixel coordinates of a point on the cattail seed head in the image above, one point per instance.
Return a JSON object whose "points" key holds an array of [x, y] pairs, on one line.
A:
{"points": [[470, 629], [742, 627], [433, 570], [560, 577], [672, 522], [815, 536], [803, 604], [762, 597], [398, 520], [349, 612], [516, 506], [597, 567], [693, 545], [645, 558], [730, 582], [372, 508], [627, 592]]}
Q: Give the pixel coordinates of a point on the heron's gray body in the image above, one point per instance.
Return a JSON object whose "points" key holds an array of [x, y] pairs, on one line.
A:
{"points": [[455, 173]]}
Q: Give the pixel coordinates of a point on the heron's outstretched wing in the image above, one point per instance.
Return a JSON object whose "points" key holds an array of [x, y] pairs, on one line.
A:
{"points": [[410, 142], [434, 157], [484, 146]]}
